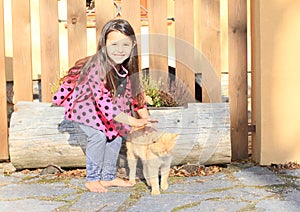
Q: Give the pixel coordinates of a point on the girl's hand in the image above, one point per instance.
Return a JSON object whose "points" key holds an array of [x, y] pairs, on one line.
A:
{"points": [[143, 122], [134, 122]]}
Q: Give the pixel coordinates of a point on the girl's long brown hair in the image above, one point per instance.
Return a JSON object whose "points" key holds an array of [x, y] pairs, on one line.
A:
{"points": [[101, 58]]}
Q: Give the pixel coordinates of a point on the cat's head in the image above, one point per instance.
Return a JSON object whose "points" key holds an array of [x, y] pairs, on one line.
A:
{"points": [[163, 144]]}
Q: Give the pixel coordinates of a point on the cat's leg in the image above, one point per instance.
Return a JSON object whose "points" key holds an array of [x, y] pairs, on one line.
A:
{"points": [[146, 172], [153, 171], [132, 162], [165, 171]]}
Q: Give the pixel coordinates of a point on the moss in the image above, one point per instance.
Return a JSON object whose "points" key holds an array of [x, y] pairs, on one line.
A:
{"points": [[28, 178], [174, 180], [45, 180], [193, 204], [137, 193], [249, 207]]}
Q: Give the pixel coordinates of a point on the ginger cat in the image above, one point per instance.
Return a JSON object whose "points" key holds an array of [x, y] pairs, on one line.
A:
{"points": [[154, 150]]}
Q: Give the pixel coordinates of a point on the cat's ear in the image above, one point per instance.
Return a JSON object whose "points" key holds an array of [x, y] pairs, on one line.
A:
{"points": [[175, 135]]}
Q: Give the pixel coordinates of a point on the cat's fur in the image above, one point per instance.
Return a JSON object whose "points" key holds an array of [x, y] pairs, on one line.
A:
{"points": [[154, 150]]}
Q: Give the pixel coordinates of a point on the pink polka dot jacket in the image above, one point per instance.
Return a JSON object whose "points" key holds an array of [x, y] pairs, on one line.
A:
{"points": [[90, 103]]}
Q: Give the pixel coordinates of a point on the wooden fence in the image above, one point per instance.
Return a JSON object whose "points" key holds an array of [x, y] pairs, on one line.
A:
{"points": [[204, 36]]}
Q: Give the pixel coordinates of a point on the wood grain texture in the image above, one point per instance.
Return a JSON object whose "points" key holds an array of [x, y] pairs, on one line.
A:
{"points": [[49, 37], [22, 57], [77, 36], [3, 98], [37, 141], [237, 61]]}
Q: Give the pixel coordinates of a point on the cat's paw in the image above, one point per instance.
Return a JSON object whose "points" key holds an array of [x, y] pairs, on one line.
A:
{"points": [[155, 192], [164, 186], [132, 181]]}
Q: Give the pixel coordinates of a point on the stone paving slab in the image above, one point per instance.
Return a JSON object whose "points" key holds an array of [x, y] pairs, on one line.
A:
{"points": [[238, 187]]}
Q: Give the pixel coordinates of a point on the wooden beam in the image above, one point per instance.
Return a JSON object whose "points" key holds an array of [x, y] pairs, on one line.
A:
{"points": [[22, 58], [3, 99], [77, 36], [49, 37], [237, 52]]}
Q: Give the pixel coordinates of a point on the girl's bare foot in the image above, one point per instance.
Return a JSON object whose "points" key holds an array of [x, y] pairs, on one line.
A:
{"points": [[95, 186], [118, 182]]}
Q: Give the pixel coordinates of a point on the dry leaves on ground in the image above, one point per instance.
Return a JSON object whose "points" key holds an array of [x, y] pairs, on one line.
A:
{"points": [[192, 170], [281, 167], [187, 170]]}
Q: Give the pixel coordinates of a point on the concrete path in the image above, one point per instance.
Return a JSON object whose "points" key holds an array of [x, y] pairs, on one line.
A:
{"points": [[239, 187]]}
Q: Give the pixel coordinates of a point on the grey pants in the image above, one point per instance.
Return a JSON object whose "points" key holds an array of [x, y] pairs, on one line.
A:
{"points": [[101, 156]]}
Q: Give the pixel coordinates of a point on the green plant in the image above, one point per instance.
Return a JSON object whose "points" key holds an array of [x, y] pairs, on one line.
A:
{"points": [[164, 92]]}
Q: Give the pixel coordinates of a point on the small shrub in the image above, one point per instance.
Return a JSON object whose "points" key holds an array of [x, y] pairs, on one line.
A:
{"points": [[166, 93]]}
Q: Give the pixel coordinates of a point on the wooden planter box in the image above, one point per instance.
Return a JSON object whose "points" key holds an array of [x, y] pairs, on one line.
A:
{"points": [[36, 140]]}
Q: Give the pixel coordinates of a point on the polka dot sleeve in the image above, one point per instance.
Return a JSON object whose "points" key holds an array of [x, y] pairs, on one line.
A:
{"points": [[63, 93], [135, 105]]}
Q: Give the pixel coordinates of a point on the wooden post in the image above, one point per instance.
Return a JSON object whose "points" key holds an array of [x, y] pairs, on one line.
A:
{"points": [[158, 35], [237, 29], [104, 11], [210, 48], [49, 46], [77, 37], [184, 43], [255, 60], [22, 61], [3, 100]]}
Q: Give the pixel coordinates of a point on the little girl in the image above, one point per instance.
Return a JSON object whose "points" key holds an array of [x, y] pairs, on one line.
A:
{"points": [[100, 92]]}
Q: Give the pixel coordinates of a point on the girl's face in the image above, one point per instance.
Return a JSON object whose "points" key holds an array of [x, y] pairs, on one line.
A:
{"points": [[118, 47]]}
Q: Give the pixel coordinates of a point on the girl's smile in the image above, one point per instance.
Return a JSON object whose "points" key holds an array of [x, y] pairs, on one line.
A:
{"points": [[118, 47]]}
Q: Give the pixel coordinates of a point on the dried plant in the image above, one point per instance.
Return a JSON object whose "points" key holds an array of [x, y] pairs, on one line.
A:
{"points": [[166, 91]]}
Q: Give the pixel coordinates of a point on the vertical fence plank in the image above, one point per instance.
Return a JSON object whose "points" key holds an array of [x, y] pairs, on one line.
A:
{"points": [[104, 11], [49, 46], [184, 43], [22, 61], [237, 51], [255, 60], [158, 35], [132, 13], [210, 47], [77, 35], [3, 100]]}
